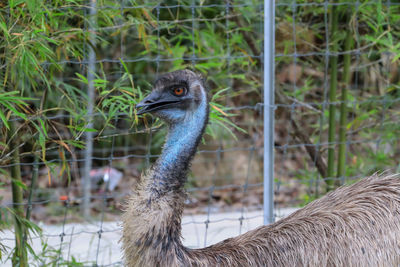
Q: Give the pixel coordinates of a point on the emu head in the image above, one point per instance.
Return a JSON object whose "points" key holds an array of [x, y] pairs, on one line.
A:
{"points": [[175, 96]]}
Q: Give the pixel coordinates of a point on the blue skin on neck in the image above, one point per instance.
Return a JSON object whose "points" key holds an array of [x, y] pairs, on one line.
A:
{"points": [[185, 130]]}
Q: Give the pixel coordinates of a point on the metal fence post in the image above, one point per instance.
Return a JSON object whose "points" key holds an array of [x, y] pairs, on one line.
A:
{"points": [[269, 62], [89, 135]]}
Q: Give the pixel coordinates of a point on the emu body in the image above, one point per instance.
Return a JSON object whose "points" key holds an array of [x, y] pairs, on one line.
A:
{"points": [[357, 225]]}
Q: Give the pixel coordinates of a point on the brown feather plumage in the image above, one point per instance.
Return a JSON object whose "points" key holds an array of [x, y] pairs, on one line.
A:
{"points": [[357, 225]]}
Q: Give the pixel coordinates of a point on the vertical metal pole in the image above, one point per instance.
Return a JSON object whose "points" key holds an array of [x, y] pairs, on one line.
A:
{"points": [[89, 135], [269, 72]]}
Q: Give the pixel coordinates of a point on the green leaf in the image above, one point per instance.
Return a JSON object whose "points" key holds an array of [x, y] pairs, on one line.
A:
{"points": [[16, 112], [3, 27], [43, 127], [82, 78], [85, 129], [4, 120], [19, 183]]}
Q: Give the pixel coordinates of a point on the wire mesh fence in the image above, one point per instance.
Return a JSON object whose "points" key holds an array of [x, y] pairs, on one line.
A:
{"points": [[337, 93], [94, 147]]}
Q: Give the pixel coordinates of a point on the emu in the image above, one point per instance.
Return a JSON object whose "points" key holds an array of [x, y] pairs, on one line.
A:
{"points": [[357, 225]]}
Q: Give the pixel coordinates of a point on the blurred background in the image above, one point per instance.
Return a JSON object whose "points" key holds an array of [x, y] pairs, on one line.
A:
{"points": [[72, 146]]}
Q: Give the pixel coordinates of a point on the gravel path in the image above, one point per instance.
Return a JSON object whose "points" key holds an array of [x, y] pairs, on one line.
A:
{"points": [[82, 243]]}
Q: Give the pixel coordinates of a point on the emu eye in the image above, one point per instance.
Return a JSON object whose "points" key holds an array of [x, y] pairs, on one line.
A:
{"points": [[179, 91]]}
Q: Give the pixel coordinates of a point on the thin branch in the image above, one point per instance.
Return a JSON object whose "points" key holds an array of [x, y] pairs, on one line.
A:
{"points": [[312, 151]]}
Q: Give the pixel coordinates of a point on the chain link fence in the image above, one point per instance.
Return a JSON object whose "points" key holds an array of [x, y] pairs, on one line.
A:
{"points": [[93, 158]]}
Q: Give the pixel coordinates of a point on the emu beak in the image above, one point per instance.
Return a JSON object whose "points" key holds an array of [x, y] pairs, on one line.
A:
{"points": [[154, 102]]}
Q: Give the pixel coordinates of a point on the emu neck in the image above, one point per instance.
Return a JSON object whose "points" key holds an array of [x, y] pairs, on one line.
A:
{"points": [[152, 221], [171, 168]]}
